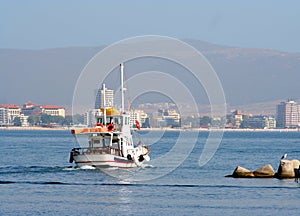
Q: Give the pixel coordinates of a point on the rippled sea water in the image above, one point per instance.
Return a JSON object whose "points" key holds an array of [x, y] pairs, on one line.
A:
{"points": [[36, 178]]}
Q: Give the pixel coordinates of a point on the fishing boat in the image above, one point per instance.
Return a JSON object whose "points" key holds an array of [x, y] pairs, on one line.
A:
{"points": [[110, 142]]}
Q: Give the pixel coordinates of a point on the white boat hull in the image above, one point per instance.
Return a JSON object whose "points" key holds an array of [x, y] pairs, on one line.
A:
{"points": [[103, 160]]}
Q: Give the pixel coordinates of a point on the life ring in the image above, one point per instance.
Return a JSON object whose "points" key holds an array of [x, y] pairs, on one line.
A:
{"points": [[99, 125], [110, 127]]}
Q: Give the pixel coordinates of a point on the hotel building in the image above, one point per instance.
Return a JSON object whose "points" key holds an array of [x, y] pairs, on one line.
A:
{"points": [[109, 98], [53, 110], [288, 114]]}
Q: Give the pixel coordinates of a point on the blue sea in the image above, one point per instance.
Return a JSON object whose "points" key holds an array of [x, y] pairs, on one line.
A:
{"points": [[37, 179]]}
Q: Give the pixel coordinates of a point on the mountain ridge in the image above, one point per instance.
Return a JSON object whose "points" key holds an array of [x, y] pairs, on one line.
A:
{"points": [[248, 75]]}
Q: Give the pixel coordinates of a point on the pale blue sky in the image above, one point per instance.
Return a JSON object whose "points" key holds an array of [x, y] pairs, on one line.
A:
{"points": [[47, 24]]}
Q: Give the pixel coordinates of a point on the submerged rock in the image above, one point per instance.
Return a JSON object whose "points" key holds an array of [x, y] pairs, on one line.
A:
{"points": [[266, 171], [287, 168], [241, 172]]}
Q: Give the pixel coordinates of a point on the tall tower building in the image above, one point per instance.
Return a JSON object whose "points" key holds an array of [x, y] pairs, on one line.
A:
{"points": [[288, 114], [109, 98]]}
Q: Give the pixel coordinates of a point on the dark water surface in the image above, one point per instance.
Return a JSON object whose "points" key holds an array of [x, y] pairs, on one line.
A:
{"points": [[36, 178]]}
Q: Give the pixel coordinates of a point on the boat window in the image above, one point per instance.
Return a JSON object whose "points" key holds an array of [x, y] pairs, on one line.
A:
{"points": [[109, 120], [105, 143], [100, 120], [96, 141], [117, 120]]}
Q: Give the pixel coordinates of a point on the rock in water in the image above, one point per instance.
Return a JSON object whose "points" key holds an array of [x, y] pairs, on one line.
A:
{"points": [[266, 171], [287, 168], [241, 172], [296, 164]]}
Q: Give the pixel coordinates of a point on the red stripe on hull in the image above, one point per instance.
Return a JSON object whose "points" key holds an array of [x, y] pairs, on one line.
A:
{"points": [[110, 161]]}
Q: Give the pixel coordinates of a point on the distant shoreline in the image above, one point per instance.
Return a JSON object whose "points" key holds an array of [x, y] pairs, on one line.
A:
{"points": [[34, 128], [162, 129], [225, 129]]}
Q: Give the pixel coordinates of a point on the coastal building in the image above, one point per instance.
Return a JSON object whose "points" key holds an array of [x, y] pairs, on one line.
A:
{"points": [[234, 119], [167, 118], [134, 116], [253, 122], [270, 123], [288, 114], [140, 116], [53, 110], [31, 109], [90, 117], [3, 117], [109, 98], [258, 122], [24, 120], [145, 120], [9, 113]]}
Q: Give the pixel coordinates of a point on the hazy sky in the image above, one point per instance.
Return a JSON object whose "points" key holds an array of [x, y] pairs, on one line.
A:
{"points": [[46, 24]]}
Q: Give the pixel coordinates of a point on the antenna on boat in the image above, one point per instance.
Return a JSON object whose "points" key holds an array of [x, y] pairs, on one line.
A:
{"points": [[104, 104], [122, 87]]}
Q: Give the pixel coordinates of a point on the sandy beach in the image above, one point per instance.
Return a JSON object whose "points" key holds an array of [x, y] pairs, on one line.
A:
{"points": [[166, 129]]}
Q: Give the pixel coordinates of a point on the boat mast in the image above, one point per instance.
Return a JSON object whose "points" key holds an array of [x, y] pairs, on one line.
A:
{"points": [[122, 87], [104, 104]]}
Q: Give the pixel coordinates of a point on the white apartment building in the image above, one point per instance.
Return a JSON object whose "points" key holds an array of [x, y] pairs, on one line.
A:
{"points": [[8, 113], [3, 116], [53, 110], [134, 115], [168, 118], [270, 123], [24, 120], [109, 98], [139, 115], [89, 117], [288, 114]]}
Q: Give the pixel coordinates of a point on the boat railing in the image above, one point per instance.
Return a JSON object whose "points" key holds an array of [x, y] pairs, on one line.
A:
{"points": [[96, 150]]}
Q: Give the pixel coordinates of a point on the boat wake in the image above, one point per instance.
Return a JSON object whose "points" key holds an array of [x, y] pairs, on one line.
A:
{"points": [[147, 166], [4, 170], [112, 168], [87, 167], [76, 168]]}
